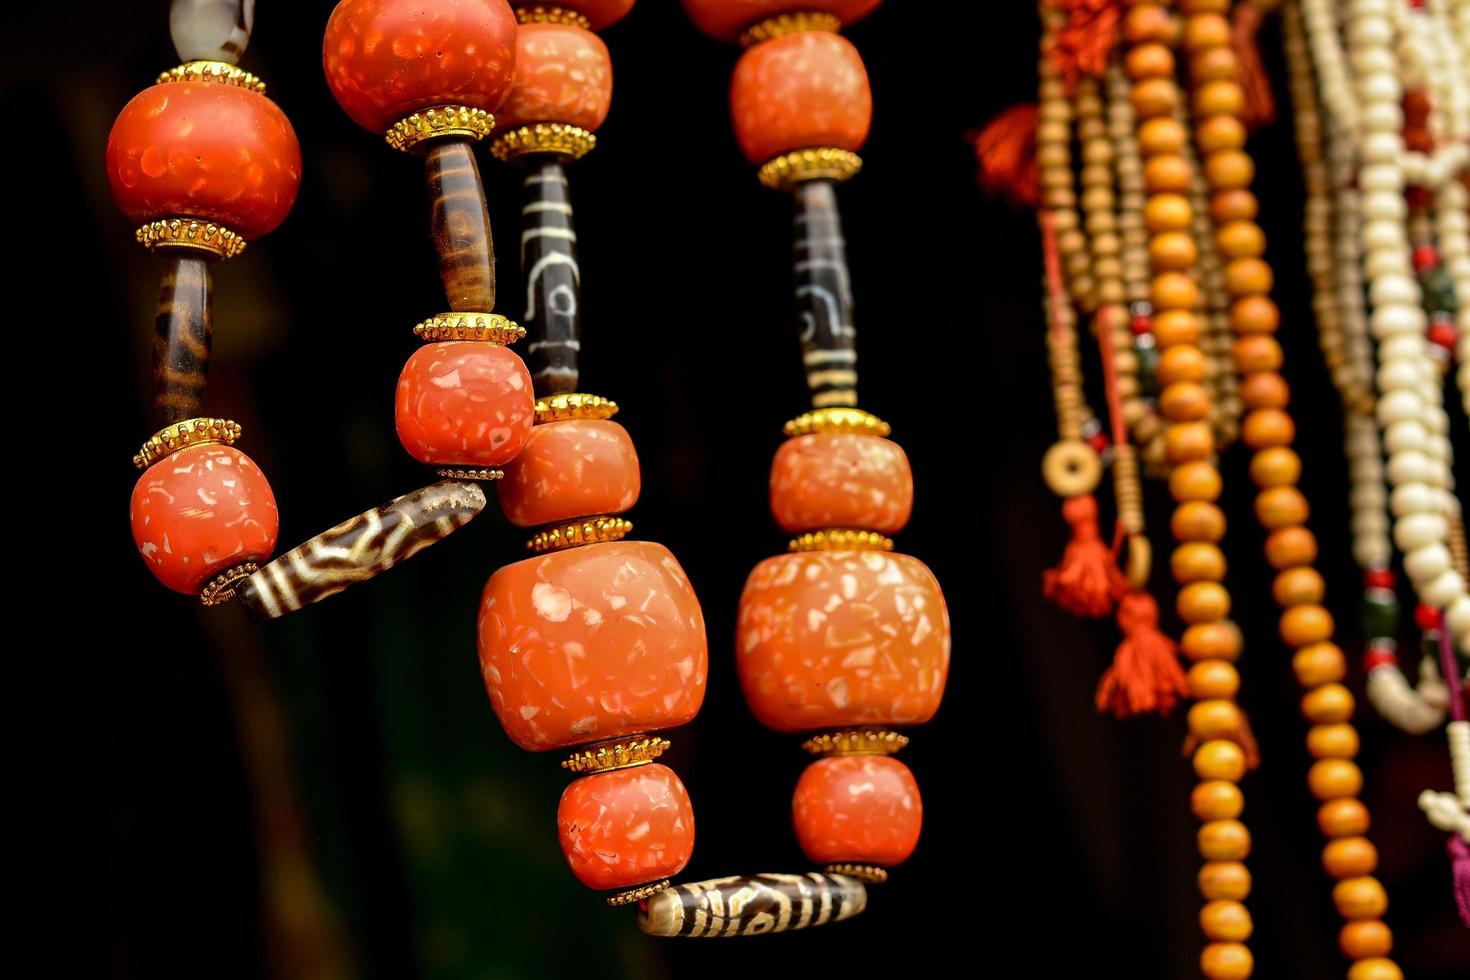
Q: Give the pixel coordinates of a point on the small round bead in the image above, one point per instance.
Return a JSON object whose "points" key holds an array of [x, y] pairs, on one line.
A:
{"points": [[1203, 31], [464, 403], [1215, 719], [1219, 133], [1184, 401], [1278, 507], [1240, 239], [1162, 135], [1166, 173], [1181, 364], [1174, 291], [1224, 880], [1224, 840], [1254, 314], [1211, 641], [859, 809], [1332, 741], [563, 74], [1265, 427], [1226, 961], [1291, 546], [1214, 65], [1276, 467], [1189, 441], [1233, 205], [1198, 520], [1148, 23], [1220, 759], [1255, 353], [1176, 327], [1375, 968], [1245, 277], [1203, 602], [1305, 625], [1329, 704], [1343, 818], [1172, 250], [1318, 664], [1360, 898], [1364, 938], [1225, 920], [1298, 586], [803, 90], [1264, 391], [1197, 561], [1219, 98], [1167, 212], [1150, 61], [1213, 679], [1334, 779], [1350, 857], [1195, 481]]}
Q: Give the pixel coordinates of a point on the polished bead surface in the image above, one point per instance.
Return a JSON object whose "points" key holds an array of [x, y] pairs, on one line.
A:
{"points": [[568, 469], [626, 827], [797, 92], [751, 905], [200, 511], [842, 638], [858, 809], [592, 643], [841, 479], [726, 19], [464, 403], [218, 153], [563, 75], [211, 30], [384, 59]]}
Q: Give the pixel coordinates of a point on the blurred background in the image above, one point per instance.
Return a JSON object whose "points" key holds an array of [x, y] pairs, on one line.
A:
{"points": [[329, 795]]}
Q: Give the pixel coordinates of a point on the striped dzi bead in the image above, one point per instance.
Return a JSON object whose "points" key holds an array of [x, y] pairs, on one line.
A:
{"points": [[824, 296], [553, 280], [752, 905]]}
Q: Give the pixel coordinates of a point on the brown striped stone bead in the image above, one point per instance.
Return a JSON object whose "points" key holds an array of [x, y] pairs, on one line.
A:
{"points": [[459, 222], [182, 333], [751, 905]]}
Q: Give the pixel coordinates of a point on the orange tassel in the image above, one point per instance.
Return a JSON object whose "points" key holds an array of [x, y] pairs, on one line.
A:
{"points": [[1083, 46], [1006, 153], [1260, 107], [1088, 581], [1145, 675]]}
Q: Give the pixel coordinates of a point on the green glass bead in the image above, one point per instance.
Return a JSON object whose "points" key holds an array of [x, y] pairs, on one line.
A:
{"points": [[1379, 613]]}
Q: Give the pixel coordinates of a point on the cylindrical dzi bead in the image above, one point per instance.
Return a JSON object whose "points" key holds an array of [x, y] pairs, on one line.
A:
{"points": [[797, 92], [464, 403], [553, 279], [386, 58], [841, 479], [823, 295], [857, 809], [563, 75], [568, 469], [626, 827], [726, 19], [592, 643], [200, 511], [219, 153], [361, 548], [834, 638], [752, 905]]}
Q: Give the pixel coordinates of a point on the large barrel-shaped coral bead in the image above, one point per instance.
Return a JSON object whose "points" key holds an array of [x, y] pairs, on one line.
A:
{"points": [[592, 643], [563, 75], [200, 511], [797, 92], [831, 638], [204, 150], [627, 827], [569, 469], [464, 403], [841, 479], [599, 13], [726, 19], [859, 809], [385, 59]]}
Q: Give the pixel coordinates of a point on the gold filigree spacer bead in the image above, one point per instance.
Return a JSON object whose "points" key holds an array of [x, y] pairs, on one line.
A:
{"points": [[551, 14], [836, 420], [489, 328], [188, 432], [856, 741], [590, 530], [870, 873], [621, 754], [203, 236], [221, 588], [571, 142], [637, 894], [212, 71], [794, 23], [440, 122], [574, 405], [840, 539], [823, 163], [483, 474]]}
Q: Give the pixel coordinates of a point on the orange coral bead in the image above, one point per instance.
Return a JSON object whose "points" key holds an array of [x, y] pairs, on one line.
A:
{"points": [[1148, 22], [1233, 205], [1276, 467], [219, 153], [726, 19], [1298, 586], [1333, 741], [626, 827], [841, 479], [1365, 938], [1172, 250], [592, 643], [464, 403], [1219, 98], [1278, 507], [1211, 641], [1244, 277], [800, 91], [1225, 920], [860, 809], [1350, 857], [1318, 664], [1188, 441], [1198, 520], [1220, 759], [1343, 818], [1304, 625], [1162, 135], [1228, 170], [1225, 880], [1203, 31], [1226, 961], [1213, 679], [1166, 174], [1184, 401], [384, 59], [1240, 239], [1360, 898], [563, 75], [568, 469], [1155, 96], [1217, 799], [1219, 133], [1224, 840], [830, 638], [1334, 779], [1214, 65], [1185, 363], [1215, 719]]}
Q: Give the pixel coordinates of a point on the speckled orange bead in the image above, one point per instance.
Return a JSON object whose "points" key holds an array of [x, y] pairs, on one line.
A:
{"points": [[385, 59], [832, 638], [1278, 507], [1343, 818], [1195, 481], [1332, 741], [1304, 625], [800, 91], [1334, 779], [862, 809], [1224, 880], [1220, 759], [1198, 520], [1365, 938], [1226, 961], [726, 19], [1217, 799], [1224, 840], [563, 75], [1297, 586], [627, 827], [568, 469], [1211, 641], [1225, 920], [1350, 857], [841, 479], [464, 403], [1360, 898], [1329, 704], [1276, 467], [1291, 546], [592, 643]]}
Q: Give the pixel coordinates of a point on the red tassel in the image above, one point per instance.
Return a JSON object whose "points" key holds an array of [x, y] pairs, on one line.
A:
{"points": [[1088, 580], [1083, 46], [1260, 107], [1006, 153], [1145, 675], [1460, 868]]}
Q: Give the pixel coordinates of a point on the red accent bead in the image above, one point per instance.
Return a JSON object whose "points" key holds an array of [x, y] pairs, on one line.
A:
{"points": [[1141, 324], [727, 19], [1442, 335], [1426, 617], [200, 511], [563, 75], [1099, 441], [204, 150], [464, 403], [800, 91], [1419, 198], [1379, 578], [1426, 257], [626, 827], [1380, 658], [862, 809], [384, 59]]}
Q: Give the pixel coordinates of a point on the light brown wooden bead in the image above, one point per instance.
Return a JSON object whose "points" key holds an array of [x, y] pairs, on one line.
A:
{"points": [[1334, 779], [1198, 520], [1318, 664], [1225, 920], [1211, 641], [1203, 602], [1225, 880], [1330, 704], [1350, 857], [1297, 586], [1360, 898], [1213, 679], [1224, 840], [1220, 759], [1343, 818]]}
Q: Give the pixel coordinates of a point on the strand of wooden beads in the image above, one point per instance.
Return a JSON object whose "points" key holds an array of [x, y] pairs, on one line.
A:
{"points": [[1281, 509], [1210, 640], [199, 117], [814, 624]]}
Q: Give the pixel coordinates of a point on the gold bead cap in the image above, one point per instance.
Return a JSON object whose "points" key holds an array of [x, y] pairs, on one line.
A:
{"points": [[820, 163], [870, 873], [622, 754], [794, 23], [550, 14], [557, 139], [189, 432], [221, 588], [571, 534], [574, 405], [483, 474], [638, 894], [836, 420], [856, 741], [190, 233], [840, 539], [440, 122], [212, 71], [488, 328]]}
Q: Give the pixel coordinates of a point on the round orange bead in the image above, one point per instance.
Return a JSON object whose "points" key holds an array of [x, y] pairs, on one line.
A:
{"points": [[1218, 98], [1360, 898], [563, 75], [1278, 507], [1217, 800], [1167, 212], [1188, 442], [569, 469], [1233, 205], [1240, 239], [1148, 23], [1276, 467], [1259, 391], [1203, 31], [1213, 679], [800, 91], [464, 403], [1318, 664], [1343, 818], [1219, 133], [1203, 602], [1162, 135], [1254, 314], [1182, 364], [726, 19], [1214, 65], [1350, 857], [1155, 96], [1198, 520], [1265, 427], [1365, 938], [1291, 546], [1173, 327], [1215, 719], [1172, 250], [1220, 759], [1184, 401], [1197, 561], [1304, 625], [1211, 641], [1174, 291], [1298, 586], [626, 827], [1332, 741], [1226, 961], [1329, 704], [1334, 779], [860, 809], [1149, 61], [1224, 840], [1195, 481], [841, 479], [1375, 968], [1166, 173], [1225, 880], [1225, 920], [1256, 352], [1244, 277], [1229, 170]]}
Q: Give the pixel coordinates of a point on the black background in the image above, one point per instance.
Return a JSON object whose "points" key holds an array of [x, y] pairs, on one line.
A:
{"points": [[329, 795]]}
